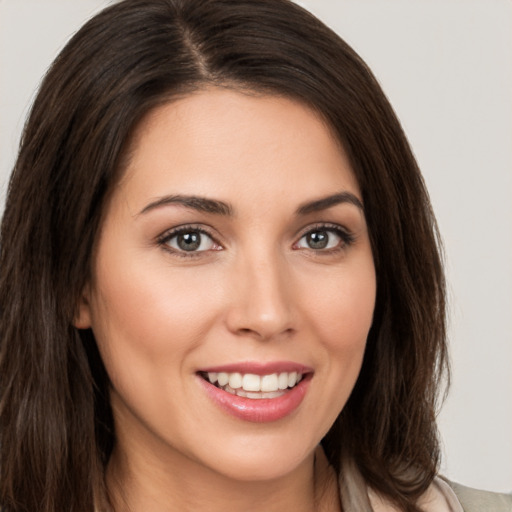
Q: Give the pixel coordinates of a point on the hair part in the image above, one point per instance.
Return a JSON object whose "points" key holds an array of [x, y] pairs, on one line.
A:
{"points": [[56, 426]]}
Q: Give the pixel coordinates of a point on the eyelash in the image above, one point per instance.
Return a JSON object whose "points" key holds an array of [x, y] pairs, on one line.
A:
{"points": [[164, 239], [347, 239]]}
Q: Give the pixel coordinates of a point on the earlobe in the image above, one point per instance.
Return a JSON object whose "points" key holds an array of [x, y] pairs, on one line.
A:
{"points": [[82, 319]]}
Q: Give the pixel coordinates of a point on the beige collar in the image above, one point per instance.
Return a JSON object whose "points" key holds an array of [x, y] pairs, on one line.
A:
{"points": [[439, 497]]}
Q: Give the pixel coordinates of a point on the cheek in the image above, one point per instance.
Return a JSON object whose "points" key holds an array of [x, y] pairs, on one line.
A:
{"points": [[341, 317], [342, 309], [150, 313], [343, 328], [146, 325]]}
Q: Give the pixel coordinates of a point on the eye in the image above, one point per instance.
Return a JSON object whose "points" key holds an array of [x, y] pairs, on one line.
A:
{"points": [[189, 240], [324, 238]]}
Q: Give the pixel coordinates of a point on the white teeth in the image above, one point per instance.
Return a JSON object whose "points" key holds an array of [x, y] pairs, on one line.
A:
{"points": [[292, 379], [269, 382], [271, 394], [259, 396], [283, 381], [223, 378], [249, 383], [235, 380], [252, 394]]}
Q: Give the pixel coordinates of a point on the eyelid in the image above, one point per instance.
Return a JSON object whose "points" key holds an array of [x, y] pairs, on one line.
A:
{"points": [[325, 226], [344, 233], [163, 239]]}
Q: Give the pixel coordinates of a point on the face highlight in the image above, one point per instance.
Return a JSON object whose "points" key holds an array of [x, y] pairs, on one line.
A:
{"points": [[233, 287]]}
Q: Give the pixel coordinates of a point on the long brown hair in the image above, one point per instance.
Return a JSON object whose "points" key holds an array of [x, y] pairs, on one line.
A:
{"points": [[56, 429]]}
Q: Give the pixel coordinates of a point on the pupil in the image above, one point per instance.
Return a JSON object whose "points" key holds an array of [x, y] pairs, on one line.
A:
{"points": [[189, 241], [318, 240]]}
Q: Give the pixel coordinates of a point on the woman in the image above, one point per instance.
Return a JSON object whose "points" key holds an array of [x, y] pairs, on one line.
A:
{"points": [[220, 276]]}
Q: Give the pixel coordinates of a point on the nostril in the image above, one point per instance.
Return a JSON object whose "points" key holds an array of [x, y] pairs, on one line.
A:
{"points": [[265, 334]]}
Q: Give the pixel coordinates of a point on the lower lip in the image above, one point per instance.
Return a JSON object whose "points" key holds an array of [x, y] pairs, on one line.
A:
{"points": [[260, 410]]}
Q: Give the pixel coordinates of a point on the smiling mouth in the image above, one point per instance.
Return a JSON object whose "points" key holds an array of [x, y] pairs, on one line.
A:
{"points": [[249, 385]]}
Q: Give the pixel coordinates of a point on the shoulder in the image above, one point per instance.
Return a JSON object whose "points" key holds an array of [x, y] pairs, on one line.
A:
{"points": [[446, 496], [475, 500]]}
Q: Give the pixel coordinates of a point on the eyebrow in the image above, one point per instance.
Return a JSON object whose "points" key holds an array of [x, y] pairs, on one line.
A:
{"points": [[201, 204], [218, 207], [327, 202]]}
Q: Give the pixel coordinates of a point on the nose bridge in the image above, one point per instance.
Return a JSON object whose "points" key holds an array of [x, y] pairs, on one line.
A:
{"points": [[262, 304]]}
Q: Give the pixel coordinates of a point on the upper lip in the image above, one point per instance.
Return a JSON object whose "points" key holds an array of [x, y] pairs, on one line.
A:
{"points": [[259, 368]]}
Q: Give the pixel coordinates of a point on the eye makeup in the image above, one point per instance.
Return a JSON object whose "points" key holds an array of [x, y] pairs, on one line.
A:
{"points": [[188, 241], [193, 240]]}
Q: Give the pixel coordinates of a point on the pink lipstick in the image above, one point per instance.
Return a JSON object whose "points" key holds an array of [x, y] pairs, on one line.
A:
{"points": [[257, 392]]}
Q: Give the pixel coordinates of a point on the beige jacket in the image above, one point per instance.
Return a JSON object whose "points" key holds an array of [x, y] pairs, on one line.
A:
{"points": [[473, 500], [444, 496], [441, 496]]}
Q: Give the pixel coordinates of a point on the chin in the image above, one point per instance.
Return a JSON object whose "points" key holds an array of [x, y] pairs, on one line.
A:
{"points": [[262, 461]]}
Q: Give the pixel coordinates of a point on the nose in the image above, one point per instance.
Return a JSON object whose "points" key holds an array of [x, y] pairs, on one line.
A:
{"points": [[261, 305]]}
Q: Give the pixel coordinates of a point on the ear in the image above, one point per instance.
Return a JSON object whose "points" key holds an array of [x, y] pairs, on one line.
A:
{"points": [[82, 318]]}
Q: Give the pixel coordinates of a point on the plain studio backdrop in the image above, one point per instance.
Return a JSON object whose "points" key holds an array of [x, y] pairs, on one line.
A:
{"points": [[446, 66]]}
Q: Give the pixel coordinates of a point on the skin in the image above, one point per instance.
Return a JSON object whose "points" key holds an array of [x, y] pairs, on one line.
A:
{"points": [[254, 291]]}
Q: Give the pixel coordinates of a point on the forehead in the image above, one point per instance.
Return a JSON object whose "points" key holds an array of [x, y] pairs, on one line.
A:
{"points": [[229, 143]]}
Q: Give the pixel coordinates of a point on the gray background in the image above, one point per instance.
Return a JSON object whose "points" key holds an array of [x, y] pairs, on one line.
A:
{"points": [[446, 66]]}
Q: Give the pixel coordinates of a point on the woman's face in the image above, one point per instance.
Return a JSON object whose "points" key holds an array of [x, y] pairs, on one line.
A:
{"points": [[234, 250]]}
